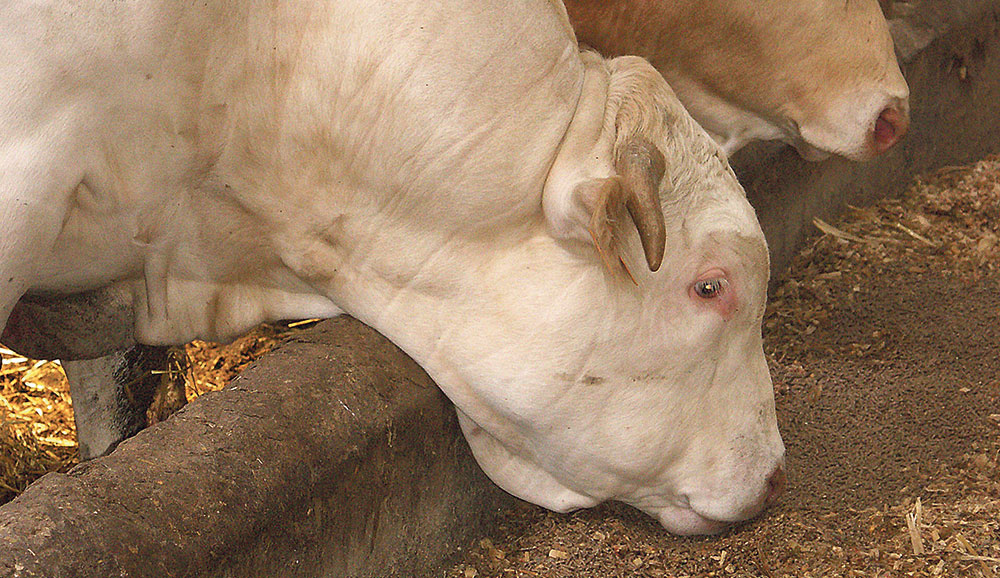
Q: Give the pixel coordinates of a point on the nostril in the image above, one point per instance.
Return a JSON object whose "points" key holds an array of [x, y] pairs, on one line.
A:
{"points": [[775, 485], [890, 126]]}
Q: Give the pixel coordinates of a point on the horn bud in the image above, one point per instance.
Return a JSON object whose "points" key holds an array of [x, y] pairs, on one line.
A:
{"points": [[641, 167]]}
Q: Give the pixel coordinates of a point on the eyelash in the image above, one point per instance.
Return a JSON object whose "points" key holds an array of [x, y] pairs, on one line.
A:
{"points": [[714, 290], [710, 288]]}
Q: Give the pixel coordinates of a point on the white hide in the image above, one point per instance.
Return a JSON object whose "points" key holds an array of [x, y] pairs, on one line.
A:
{"points": [[232, 162]]}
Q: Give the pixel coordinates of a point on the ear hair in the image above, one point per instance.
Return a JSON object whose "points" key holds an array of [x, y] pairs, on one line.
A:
{"points": [[605, 200], [635, 189]]}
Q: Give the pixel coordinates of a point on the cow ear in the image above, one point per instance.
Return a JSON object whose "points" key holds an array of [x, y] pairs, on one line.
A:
{"points": [[633, 191], [607, 165], [603, 207], [604, 201]]}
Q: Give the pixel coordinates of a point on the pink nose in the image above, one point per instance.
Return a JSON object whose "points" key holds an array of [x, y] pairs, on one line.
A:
{"points": [[775, 486], [890, 126]]}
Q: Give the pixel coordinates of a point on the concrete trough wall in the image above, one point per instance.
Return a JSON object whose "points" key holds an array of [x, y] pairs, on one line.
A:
{"points": [[337, 456]]}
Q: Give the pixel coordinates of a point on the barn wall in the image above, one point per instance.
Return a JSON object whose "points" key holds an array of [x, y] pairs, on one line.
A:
{"points": [[337, 456]]}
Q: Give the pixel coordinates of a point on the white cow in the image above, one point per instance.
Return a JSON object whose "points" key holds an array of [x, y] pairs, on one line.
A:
{"points": [[456, 174], [820, 75]]}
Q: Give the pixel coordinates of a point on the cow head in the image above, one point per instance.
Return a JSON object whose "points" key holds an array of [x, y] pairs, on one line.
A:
{"points": [[820, 75], [581, 374]]}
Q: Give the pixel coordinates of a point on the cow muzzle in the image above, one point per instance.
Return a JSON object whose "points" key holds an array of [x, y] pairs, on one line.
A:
{"points": [[687, 519], [891, 126]]}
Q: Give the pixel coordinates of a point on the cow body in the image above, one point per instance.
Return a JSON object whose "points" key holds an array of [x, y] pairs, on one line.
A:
{"points": [[818, 74], [457, 175]]}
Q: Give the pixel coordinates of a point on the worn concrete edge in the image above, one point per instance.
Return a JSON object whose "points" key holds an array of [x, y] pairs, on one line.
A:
{"points": [[951, 60], [334, 455]]}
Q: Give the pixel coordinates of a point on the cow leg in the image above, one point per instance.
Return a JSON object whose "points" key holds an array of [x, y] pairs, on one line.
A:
{"points": [[111, 395], [102, 420], [117, 386]]}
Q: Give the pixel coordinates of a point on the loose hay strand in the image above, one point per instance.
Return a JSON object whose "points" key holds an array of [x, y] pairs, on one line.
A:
{"points": [[915, 235], [36, 422], [829, 229], [913, 525]]}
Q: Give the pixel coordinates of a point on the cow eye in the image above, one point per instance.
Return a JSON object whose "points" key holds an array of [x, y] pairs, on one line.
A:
{"points": [[709, 288]]}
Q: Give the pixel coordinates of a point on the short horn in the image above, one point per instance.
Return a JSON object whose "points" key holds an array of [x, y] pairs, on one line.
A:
{"points": [[641, 166]]}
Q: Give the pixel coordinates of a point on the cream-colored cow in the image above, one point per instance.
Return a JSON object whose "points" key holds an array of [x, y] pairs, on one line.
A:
{"points": [[546, 232]]}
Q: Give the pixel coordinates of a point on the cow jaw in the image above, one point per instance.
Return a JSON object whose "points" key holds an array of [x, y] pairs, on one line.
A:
{"points": [[518, 476], [730, 125]]}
